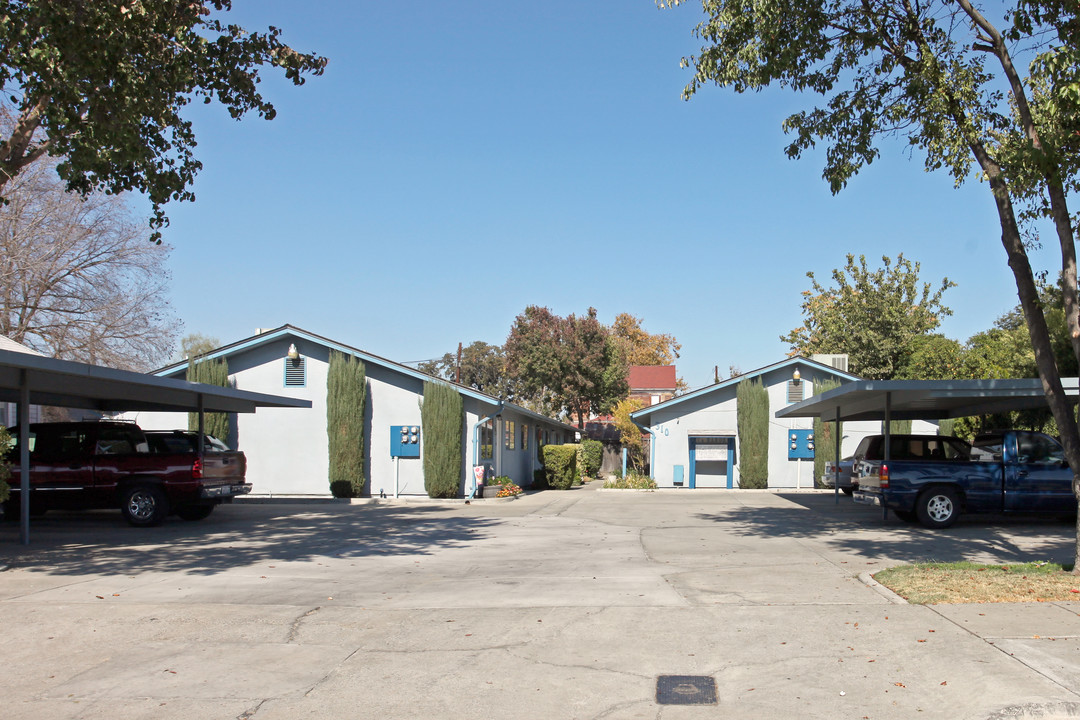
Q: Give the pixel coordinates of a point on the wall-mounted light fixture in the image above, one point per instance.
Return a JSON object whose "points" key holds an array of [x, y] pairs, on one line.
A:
{"points": [[293, 353], [795, 376]]}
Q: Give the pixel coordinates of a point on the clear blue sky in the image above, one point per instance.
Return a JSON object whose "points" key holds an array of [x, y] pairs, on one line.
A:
{"points": [[460, 161]]}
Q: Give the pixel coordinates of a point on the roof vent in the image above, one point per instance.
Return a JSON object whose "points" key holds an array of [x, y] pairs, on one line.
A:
{"points": [[838, 361]]}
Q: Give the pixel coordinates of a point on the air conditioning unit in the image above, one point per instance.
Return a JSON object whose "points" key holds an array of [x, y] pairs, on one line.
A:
{"points": [[837, 360]]}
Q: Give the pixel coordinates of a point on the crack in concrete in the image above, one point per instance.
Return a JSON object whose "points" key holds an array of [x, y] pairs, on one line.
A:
{"points": [[248, 714], [295, 629], [1003, 651]]}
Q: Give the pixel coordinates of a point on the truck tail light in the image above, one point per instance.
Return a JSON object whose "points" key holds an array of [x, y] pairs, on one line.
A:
{"points": [[197, 469], [884, 476]]}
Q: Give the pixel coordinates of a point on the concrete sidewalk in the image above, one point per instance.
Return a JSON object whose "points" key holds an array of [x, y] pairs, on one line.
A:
{"points": [[555, 605]]}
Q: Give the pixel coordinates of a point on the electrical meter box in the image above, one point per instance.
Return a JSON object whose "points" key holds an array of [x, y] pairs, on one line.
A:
{"points": [[405, 441], [800, 444]]}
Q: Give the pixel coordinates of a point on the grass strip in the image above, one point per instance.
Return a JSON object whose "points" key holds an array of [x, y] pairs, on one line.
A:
{"points": [[967, 582]]}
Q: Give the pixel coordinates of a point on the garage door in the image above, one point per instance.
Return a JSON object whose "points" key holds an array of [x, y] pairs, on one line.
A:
{"points": [[711, 459]]}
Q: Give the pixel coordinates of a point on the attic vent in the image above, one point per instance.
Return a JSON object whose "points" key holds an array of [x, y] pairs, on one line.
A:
{"points": [[294, 372], [837, 360], [795, 391]]}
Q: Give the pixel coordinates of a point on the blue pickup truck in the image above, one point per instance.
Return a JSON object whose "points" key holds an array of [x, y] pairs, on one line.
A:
{"points": [[1011, 471]]}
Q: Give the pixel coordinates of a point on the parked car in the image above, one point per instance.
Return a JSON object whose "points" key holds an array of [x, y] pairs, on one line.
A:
{"points": [[109, 464], [847, 478], [1010, 471]]}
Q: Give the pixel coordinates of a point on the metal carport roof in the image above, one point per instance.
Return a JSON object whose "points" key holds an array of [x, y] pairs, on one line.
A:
{"points": [[26, 379], [924, 399]]}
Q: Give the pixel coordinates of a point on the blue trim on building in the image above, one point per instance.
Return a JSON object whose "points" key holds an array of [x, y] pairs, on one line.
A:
{"points": [[295, 332], [799, 360]]}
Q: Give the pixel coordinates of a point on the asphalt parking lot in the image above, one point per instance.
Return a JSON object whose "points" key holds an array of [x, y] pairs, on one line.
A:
{"points": [[553, 605]]}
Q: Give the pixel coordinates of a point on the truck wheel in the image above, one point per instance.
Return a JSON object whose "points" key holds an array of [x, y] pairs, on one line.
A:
{"points": [[144, 505], [847, 491], [938, 507], [195, 512]]}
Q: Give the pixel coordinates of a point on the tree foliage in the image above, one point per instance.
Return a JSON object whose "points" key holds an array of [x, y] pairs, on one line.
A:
{"points": [[944, 77], [483, 367], [346, 396], [210, 372], [565, 365], [5, 464], [103, 85], [442, 415], [825, 433], [752, 417], [872, 315], [78, 279], [195, 344], [630, 435], [642, 347]]}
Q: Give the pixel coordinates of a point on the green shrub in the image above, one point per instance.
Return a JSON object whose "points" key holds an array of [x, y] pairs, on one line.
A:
{"points": [[632, 481], [539, 479], [5, 468], [824, 434], [617, 474], [210, 372], [560, 466], [592, 452], [346, 393], [442, 415], [753, 420]]}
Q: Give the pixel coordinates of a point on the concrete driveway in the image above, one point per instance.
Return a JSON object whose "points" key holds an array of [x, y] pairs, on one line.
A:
{"points": [[554, 605]]}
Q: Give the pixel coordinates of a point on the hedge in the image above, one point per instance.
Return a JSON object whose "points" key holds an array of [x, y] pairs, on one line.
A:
{"points": [[592, 452], [346, 393], [442, 416], [753, 420], [210, 372], [560, 466]]}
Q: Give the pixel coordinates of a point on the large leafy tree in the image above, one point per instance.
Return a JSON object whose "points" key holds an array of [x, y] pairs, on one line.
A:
{"points": [[872, 315], [482, 366], [643, 347], [103, 84], [943, 76], [570, 364]]}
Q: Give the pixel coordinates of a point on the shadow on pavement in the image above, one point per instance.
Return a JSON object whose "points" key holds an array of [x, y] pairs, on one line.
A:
{"points": [[861, 529], [234, 536]]}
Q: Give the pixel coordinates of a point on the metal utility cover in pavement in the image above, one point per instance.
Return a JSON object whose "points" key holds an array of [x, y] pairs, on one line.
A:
{"points": [[685, 690]]}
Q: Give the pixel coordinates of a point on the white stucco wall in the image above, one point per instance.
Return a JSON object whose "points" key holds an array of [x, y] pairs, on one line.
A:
{"points": [[286, 448], [714, 414]]}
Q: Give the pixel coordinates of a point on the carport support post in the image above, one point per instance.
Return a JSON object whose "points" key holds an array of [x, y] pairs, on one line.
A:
{"points": [[24, 456], [886, 456], [202, 428], [836, 465]]}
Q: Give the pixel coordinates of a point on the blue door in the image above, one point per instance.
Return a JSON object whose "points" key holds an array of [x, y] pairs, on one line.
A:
{"points": [[711, 462]]}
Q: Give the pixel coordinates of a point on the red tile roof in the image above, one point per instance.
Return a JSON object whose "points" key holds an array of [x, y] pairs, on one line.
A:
{"points": [[652, 377]]}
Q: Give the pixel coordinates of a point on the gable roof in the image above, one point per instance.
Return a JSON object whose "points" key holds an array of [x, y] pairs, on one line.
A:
{"points": [[7, 343], [798, 360], [652, 377], [269, 336]]}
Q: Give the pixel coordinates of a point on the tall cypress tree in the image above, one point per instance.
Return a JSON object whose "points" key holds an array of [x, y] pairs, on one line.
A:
{"points": [[825, 433], [346, 393], [753, 419], [442, 416], [211, 372]]}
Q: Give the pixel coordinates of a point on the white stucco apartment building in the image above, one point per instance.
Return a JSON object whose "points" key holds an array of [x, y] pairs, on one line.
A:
{"points": [[694, 437], [287, 451]]}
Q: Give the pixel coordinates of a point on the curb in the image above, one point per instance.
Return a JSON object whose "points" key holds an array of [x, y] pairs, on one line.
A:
{"points": [[885, 592]]}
